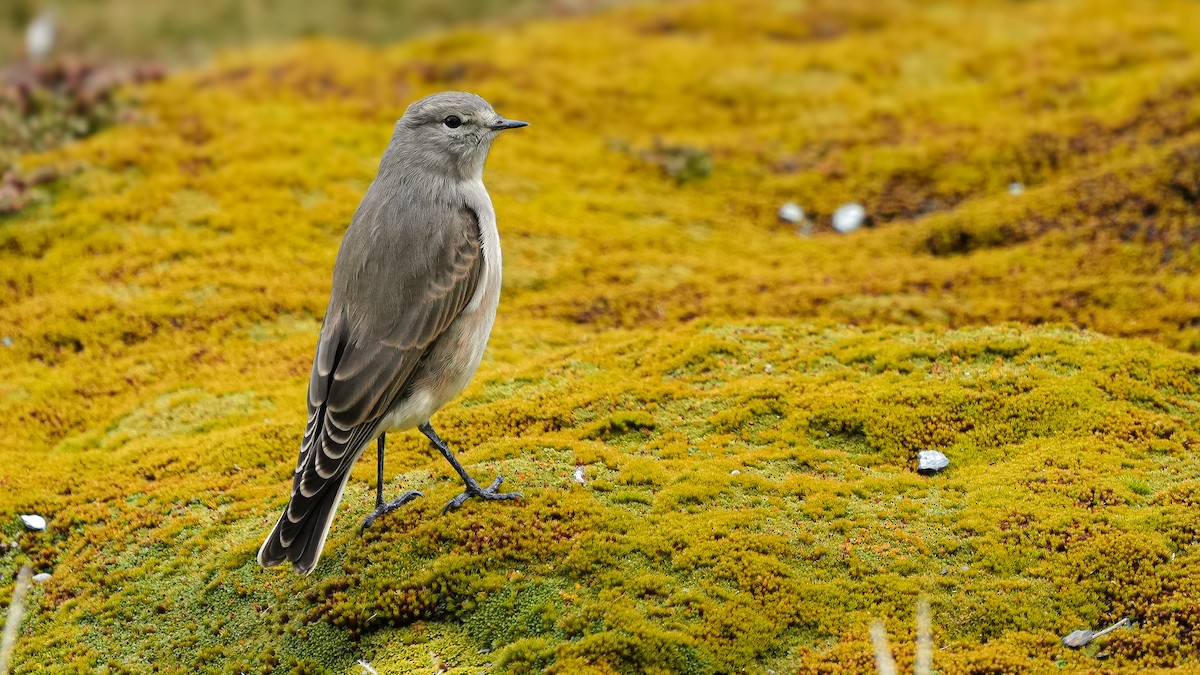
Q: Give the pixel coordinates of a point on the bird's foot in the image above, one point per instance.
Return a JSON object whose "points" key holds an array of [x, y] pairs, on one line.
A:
{"points": [[381, 508], [488, 493]]}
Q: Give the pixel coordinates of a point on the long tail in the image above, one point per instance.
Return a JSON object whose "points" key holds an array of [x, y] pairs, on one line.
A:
{"points": [[301, 542]]}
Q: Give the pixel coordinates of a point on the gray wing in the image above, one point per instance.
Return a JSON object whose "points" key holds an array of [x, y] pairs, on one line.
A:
{"points": [[390, 303]]}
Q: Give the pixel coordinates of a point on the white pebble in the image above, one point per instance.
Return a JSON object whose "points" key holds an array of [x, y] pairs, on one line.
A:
{"points": [[6, 341], [41, 576], [1015, 188], [849, 217], [579, 475], [931, 461], [34, 522], [39, 36], [791, 212], [768, 369], [735, 472]]}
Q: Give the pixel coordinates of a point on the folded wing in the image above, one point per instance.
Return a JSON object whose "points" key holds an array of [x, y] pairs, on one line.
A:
{"points": [[391, 302]]}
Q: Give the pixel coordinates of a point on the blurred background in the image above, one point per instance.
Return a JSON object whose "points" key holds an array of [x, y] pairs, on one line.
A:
{"points": [[180, 31], [62, 63]]}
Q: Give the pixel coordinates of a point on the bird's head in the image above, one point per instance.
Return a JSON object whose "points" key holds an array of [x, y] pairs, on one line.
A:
{"points": [[449, 133]]}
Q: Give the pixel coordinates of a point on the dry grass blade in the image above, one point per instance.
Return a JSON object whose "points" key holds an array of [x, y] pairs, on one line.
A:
{"points": [[923, 664], [16, 611], [884, 664]]}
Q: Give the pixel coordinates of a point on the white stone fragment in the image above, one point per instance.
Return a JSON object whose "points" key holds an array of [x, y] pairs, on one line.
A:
{"points": [[1015, 188], [34, 522], [579, 475], [931, 461], [849, 217], [41, 577], [39, 36], [791, 212]]}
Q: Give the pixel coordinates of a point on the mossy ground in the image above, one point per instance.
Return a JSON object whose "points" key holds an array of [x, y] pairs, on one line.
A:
{"points": [[163, 305]]}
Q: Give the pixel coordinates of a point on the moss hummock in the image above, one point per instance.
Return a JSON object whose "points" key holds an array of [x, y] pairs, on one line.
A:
{"points": [[746, 404]]}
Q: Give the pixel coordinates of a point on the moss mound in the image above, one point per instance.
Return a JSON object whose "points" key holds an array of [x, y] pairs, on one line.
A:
{"points": [[746, 404], [749, 496]]}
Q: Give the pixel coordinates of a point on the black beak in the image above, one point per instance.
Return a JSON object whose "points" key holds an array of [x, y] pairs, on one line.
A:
{"points": [[502, 124]]}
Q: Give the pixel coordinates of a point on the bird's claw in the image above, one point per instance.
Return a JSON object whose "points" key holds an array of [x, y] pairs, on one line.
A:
{"points": [[382, 509], [473, 490]]}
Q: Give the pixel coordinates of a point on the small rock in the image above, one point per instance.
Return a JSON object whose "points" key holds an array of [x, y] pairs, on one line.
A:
{"points": [[768, 369], [849, 217], [791, 212], [931, 461], [34, 522], [6, 341], [39, 36], [735, 472], [579, 475], [1077, 639], [41, 577], [1015, 188]]}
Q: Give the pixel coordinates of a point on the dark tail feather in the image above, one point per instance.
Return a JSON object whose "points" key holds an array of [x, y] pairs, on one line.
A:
{"points": [[305, 546]]}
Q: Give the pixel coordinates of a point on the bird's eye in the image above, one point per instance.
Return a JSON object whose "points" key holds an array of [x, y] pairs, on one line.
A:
{"points": [[452, 121]]}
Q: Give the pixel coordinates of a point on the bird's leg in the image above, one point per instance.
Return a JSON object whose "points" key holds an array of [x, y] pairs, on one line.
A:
{"points": [[472, 489], [380, 507], [379, 444]]}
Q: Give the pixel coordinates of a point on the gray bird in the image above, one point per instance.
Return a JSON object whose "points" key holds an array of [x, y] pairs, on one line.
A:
{"points": [[415, 289]]}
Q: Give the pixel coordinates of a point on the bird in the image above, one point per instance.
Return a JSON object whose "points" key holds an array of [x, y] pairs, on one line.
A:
{"points": [[416, 285]]}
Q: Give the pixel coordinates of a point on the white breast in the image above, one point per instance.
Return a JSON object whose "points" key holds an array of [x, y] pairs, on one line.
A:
{"points": [[457, 353], [488, 291]]}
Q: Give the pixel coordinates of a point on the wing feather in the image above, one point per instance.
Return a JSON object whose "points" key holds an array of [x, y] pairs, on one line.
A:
{"points": [[376, 331]]}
